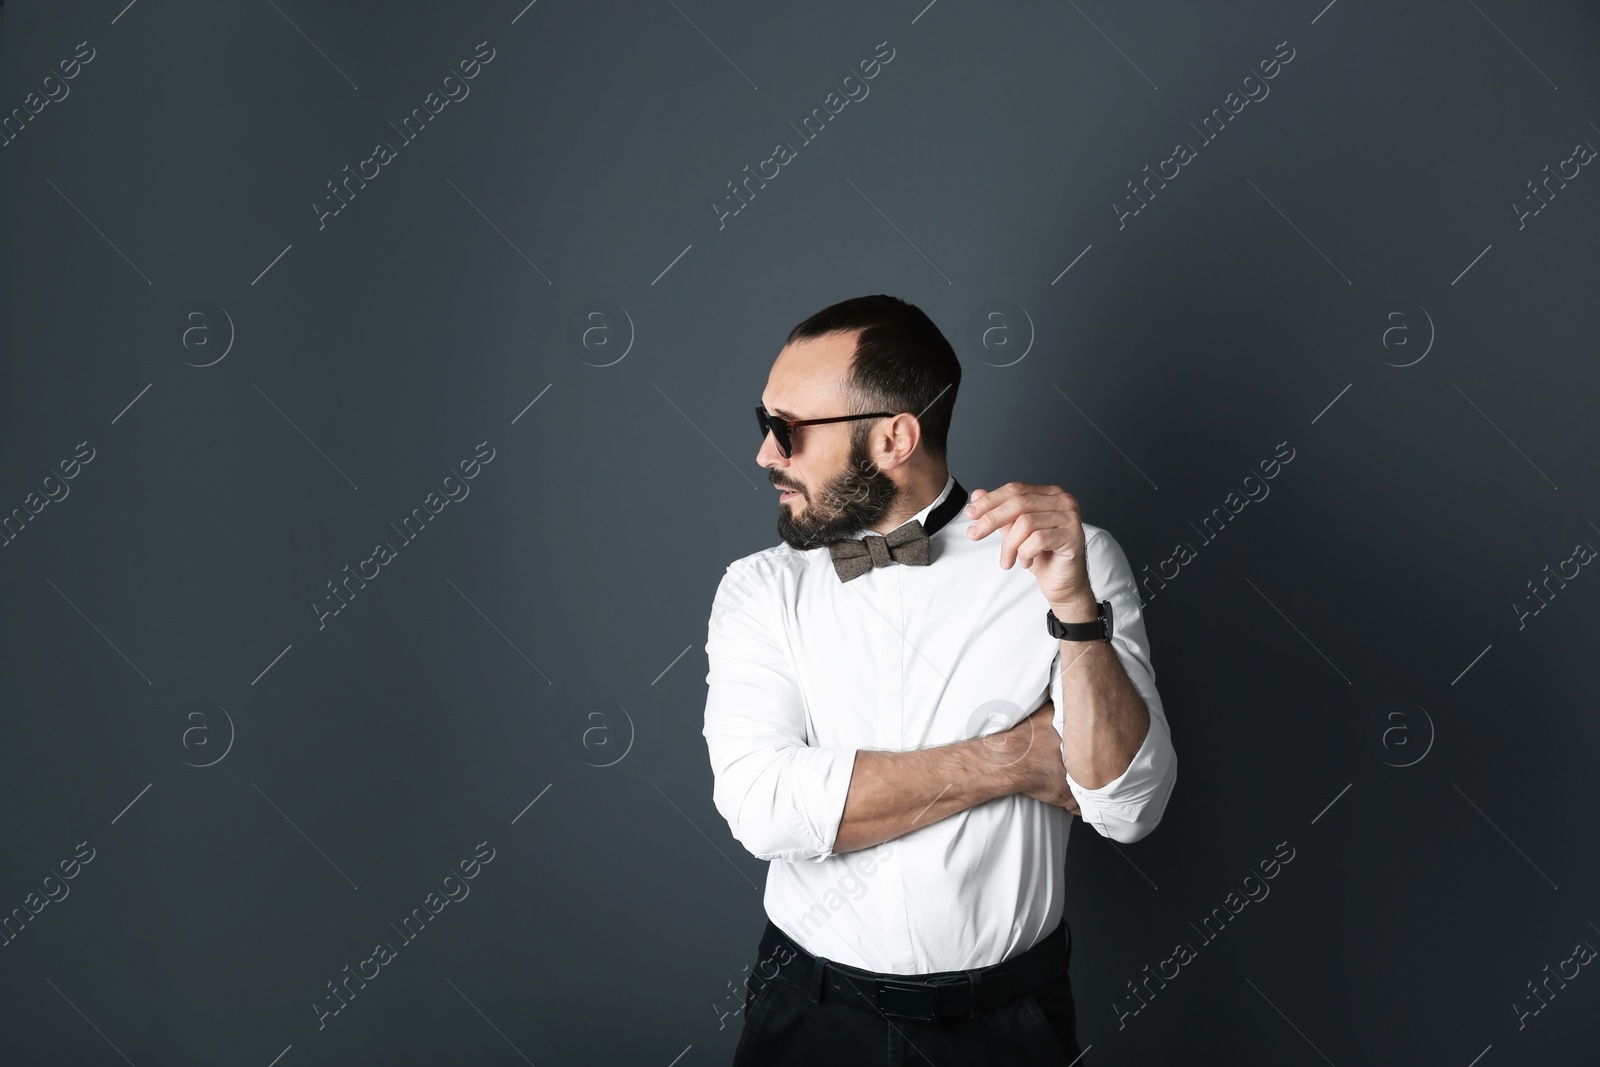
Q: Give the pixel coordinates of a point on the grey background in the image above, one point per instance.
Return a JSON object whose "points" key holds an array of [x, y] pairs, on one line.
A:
{"points": [[554, 620]]}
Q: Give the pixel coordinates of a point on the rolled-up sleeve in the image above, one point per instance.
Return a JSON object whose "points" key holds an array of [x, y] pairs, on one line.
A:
{"points": [[1130, 805], [782, 797]]}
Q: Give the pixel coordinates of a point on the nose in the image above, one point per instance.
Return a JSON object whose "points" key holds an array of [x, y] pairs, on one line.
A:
{"points": [[769, 455]]}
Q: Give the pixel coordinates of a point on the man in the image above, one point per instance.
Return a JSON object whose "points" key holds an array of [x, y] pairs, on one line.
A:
{"points": [[935, 683]]}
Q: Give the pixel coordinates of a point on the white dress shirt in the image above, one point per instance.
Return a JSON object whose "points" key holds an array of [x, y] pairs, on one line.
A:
{"points": [[806, 669]]}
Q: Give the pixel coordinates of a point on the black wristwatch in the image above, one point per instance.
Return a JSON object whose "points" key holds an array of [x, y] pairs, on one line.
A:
{"points": [[1098, 629]]}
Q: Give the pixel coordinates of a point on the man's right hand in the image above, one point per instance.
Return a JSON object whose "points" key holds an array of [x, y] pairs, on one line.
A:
{"points": [[894, 793], [1036, 747]]}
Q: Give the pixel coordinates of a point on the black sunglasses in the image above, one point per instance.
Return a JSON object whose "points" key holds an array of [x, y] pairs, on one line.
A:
{"points": [[781, 428]]}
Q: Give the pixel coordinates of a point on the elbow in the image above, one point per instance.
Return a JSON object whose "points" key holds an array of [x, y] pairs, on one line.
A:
{"points": [[760, 833], [762, 842], [784, 803], [747, 831], [1127, 831], [1130, 822], [767, 843]]}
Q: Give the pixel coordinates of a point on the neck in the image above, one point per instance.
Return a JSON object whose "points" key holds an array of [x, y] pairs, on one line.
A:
{"points": [[917, 492]]}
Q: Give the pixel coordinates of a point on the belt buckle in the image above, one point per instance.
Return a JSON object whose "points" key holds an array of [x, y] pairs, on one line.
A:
{"points": [[919, 1002]]}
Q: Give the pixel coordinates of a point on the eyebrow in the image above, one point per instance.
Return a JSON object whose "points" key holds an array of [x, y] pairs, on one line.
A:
{"points": [[781, 413]]}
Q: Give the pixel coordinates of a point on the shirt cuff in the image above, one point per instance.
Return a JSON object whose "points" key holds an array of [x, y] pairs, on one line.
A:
{"points": [[1130, 805], [821, 785]]}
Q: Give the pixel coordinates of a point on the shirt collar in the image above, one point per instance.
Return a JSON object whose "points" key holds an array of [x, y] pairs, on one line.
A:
{"points": [[922, 516]]}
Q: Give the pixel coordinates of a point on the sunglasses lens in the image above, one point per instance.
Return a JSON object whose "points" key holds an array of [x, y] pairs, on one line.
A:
{"points": [[779, 429]]}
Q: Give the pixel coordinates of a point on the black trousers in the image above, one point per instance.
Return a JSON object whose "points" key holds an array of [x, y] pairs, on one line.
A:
{"points": [[790, 1019]]}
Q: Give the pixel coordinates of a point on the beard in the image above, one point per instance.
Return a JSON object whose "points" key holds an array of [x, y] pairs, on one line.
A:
{"points": [[852, 500]]}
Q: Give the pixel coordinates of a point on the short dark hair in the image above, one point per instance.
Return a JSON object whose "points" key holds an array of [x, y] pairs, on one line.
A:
{"points": [[902, 363]]}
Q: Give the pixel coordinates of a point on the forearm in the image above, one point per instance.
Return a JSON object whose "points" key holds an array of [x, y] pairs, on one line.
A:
{"points": [[893, 793], [1105, 717]]}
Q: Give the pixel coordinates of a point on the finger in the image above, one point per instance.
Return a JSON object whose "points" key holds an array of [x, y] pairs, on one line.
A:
{"points": [[1006, 511], [983, 500], [1026, 527], [1068, 520], [1021, 528], [1055, 497], [1039, 542], [1026, 538], [1050, 498]]}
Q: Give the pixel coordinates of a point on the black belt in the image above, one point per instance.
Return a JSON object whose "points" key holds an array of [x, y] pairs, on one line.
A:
{"points": [[926, 997]]}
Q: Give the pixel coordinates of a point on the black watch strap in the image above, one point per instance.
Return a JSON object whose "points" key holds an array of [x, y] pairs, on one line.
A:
{"points": [[1098, 629]]}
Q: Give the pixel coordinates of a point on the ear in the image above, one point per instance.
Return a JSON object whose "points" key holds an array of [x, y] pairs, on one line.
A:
{"points": [[907, 435]]}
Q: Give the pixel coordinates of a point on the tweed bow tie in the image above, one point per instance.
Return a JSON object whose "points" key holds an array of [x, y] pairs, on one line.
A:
{"points": [[854, 557], [907, 543]]}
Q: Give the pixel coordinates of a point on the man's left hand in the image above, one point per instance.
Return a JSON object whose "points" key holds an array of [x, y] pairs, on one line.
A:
{"points": [[1043, 530]]}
